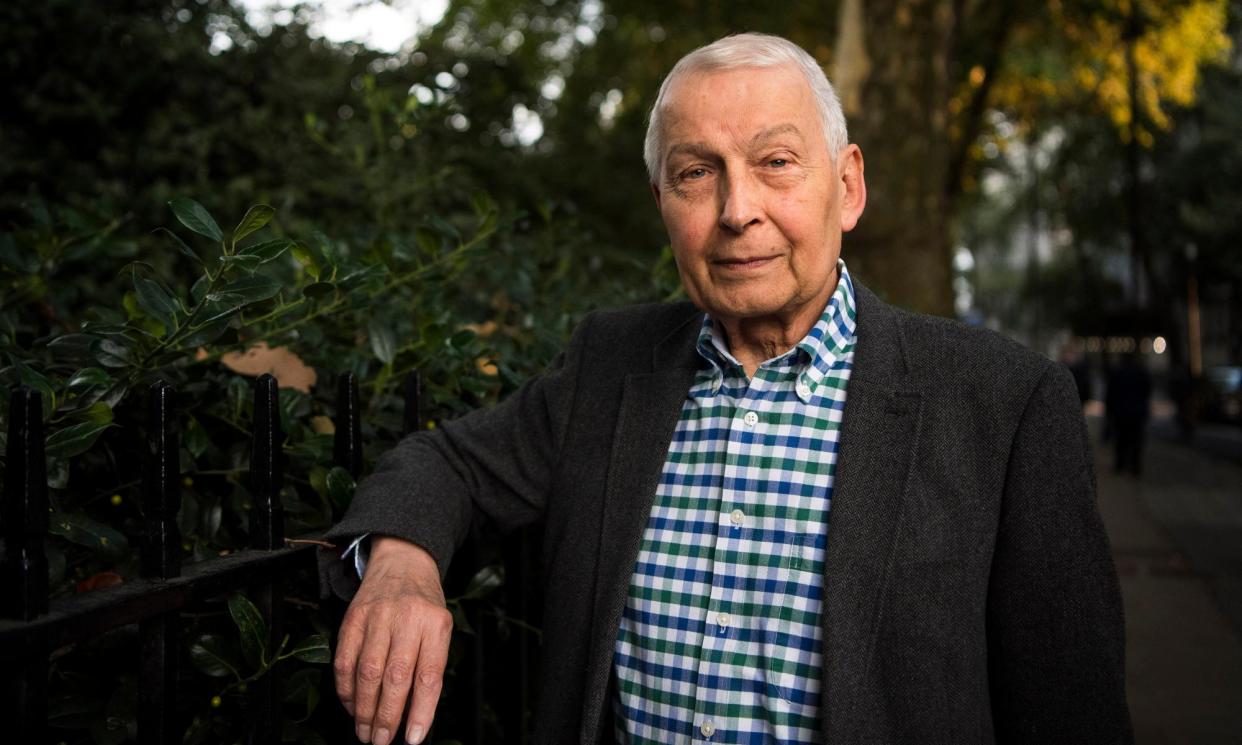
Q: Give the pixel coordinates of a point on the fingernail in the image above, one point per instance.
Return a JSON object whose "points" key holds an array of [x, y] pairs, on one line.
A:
{"points": [[364, 733], [349, 708], [382, 737], [415, 735]]}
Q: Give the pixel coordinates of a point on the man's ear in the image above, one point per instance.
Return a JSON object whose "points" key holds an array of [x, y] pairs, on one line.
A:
{"points": [[853, 186]]}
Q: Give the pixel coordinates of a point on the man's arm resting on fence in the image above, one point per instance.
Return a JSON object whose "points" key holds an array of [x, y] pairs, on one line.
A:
{"points": [[496, 465], [393, 643]]}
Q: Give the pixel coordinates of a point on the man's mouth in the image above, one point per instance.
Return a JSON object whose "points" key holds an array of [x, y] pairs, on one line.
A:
{"points": [[745, 264]]}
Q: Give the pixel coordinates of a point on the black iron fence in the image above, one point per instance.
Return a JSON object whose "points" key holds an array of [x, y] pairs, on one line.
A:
{"points": [[484, 705]]}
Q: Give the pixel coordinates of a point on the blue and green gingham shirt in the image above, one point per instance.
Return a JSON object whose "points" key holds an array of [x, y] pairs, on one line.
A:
{"points": [[720, 640]]}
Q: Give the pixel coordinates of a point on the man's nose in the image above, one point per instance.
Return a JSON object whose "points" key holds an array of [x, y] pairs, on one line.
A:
{"points": [[741, 203]]}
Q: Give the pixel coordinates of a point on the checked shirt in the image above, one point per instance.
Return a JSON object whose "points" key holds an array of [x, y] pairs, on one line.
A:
{"points": [[720, 640]]}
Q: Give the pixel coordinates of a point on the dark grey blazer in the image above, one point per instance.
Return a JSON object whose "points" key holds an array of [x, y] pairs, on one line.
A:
{"points": [[969, 594]]}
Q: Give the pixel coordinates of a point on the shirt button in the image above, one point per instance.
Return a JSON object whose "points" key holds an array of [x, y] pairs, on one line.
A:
{"points": [[708, 729], [737, 517], [804, 390], [722, 619], [751, 418]]}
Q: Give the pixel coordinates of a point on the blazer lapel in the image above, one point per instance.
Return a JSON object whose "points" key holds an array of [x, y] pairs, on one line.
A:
{"points": [[650, 407], [878, 437]]}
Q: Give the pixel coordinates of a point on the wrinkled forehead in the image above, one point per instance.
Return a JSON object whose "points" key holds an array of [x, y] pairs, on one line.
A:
{"points": [[763, 80], [741, 100]]}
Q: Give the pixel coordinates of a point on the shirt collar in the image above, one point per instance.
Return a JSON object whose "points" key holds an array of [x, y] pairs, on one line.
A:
{"points": [[831, 339]]}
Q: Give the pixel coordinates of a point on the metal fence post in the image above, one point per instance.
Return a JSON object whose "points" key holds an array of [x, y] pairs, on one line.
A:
{"points": [[161, 559], [267, 533], [24, 572], [347, 441], [412, 414]]}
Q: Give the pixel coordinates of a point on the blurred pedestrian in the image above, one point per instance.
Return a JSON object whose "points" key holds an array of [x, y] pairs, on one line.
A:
{"points": [[1073, 358], [1127, 406]]}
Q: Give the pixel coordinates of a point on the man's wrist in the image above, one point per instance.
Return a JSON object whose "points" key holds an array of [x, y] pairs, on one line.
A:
{"points": [[386, 547]]}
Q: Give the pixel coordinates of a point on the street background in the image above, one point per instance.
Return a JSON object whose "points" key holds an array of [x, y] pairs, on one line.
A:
{"points": [[1176, 535]]}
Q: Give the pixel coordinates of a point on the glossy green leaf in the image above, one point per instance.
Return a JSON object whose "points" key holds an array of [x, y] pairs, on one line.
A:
{"points": [[188, 515], [211, 656], [340, 486], [57, 473], [74, 439], [73, 346], [36, 380], [196, 217], [88, 377], [245, 263], [195, 438], [207, 332], [487, 225], [98, 412], [383, 340], [444, 228], [428, 241], [252, 289], [311, 260], [460, 339], [179, 244], [267, 250], [484, 581], [302, 688], [255, 218], [482, 203], [213, 515], [360, 276], [199, 289], [110, 353], [78, 528], [252, 627], [219, 306], [317, 290], [156, 300], [313, 648]]}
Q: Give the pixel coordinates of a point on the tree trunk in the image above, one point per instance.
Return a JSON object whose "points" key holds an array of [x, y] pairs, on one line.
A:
{"points": [[901, 247]]}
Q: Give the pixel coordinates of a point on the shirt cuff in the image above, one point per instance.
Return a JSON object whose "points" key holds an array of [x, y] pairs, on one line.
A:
{"points": [[361, 549]]}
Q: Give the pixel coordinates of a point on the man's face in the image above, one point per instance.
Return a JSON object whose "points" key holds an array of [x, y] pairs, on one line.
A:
{"points": [[753, 201]]}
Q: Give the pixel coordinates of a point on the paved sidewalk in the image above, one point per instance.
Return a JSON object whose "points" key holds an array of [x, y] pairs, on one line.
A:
{"points": [[1177, 539]]}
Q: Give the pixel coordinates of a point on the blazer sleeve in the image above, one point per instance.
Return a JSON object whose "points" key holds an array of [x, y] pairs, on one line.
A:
{"points": [[495, 464], [1056, 638]]}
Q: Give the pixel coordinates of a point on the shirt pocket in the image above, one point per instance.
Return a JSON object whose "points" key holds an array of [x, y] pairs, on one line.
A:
{"points": [[789, 629]]}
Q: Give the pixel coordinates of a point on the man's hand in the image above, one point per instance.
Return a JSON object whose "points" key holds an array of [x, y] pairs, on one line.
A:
{"points": [[395, 633]]}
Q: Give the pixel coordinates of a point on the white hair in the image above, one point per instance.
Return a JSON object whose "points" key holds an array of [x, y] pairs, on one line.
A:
{"points": [[742, 51]]}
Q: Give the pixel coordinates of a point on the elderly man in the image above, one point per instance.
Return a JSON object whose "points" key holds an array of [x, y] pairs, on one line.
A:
{"points": [[784, 511]]}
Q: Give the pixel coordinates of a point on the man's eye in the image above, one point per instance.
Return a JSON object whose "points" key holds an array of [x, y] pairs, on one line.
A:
{"points": [[694, 173], [778, 163]]}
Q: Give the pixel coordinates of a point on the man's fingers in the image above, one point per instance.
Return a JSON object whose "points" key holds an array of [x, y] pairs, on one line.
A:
{"points": [[395, 686], [396, 617], [369, 673], [429, 673], [348, 643]]}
